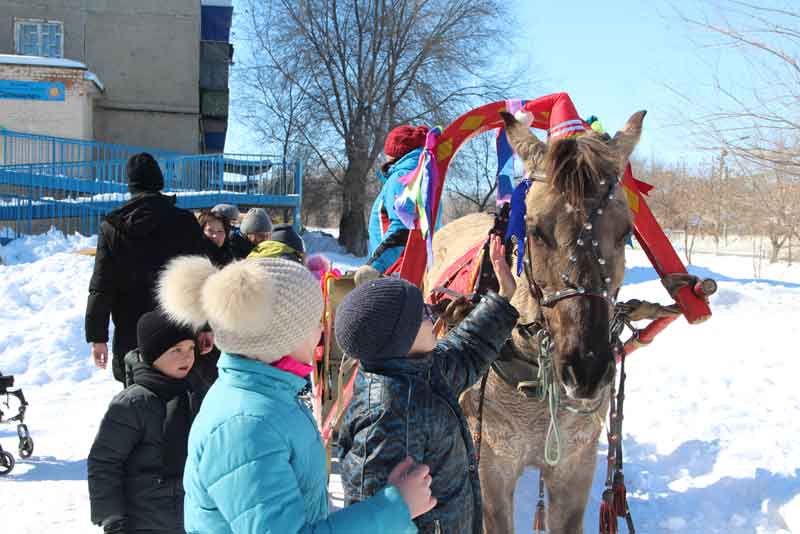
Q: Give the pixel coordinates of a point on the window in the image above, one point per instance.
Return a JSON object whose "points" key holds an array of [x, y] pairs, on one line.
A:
{"points": [[35, 37]]}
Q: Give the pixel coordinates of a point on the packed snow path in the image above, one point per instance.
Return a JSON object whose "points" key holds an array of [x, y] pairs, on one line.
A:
{"points": [[710, 431]]}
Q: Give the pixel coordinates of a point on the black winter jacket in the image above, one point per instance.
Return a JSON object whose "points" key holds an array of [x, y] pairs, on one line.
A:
{"points": [[136, 462], [134, 243], [409, 407], [239, 245]]}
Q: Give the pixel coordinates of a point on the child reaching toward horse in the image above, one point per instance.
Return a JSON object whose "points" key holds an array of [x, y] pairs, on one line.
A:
{"points": [[406, 394], [256, 462]]}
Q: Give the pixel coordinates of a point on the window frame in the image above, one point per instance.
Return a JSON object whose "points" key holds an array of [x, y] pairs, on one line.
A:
{"points": [[19, 23]]}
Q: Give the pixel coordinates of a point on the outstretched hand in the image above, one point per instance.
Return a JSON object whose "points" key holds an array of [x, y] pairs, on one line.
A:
{"points": [[506, 280]]}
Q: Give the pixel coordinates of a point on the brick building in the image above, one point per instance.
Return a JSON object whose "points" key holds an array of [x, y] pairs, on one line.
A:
{"points": [[160, 70]]}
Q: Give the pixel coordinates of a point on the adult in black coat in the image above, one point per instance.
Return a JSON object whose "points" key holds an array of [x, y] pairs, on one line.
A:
{"points": [[134, 243]]}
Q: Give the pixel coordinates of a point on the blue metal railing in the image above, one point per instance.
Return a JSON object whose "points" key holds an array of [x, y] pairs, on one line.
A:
{"points": [[86, 179]]}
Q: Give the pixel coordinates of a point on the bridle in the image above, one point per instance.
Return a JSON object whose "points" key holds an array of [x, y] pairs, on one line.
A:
{"points": [[585, 242]]}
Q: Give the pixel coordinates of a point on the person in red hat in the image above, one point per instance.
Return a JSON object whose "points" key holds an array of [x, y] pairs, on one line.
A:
{"points": [[387, 233]]}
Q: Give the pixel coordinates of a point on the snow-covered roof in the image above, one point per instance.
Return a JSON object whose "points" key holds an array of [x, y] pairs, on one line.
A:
{"points": [[92, 77], [217, 3], [36, 61]]}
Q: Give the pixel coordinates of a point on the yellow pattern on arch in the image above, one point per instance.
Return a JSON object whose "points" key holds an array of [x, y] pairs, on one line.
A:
{"points": [[445, 149], [632, 198], [471, 123]]}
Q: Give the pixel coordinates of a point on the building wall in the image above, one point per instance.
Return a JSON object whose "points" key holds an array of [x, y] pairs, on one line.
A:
{"points": [[71, 117], [146, 53]]}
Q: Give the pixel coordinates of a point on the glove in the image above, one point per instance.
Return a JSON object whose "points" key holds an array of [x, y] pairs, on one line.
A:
{"points": [[366, 273], [114, 525]]}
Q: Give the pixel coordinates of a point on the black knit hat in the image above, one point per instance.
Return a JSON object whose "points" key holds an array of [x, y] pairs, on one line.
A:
{"points": [[156, 333], [285, 234], [379, 319], [144, 174]]}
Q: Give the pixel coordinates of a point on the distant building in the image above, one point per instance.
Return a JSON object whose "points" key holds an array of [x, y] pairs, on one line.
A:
{"points": [[160, 71]]}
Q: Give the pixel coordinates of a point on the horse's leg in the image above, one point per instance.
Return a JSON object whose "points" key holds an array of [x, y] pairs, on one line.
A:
{"points": [[498, 480], [568, 487], [499, 466]]}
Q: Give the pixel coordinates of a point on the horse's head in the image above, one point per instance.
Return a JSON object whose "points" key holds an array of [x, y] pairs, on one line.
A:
{"points": [[577, 226]]}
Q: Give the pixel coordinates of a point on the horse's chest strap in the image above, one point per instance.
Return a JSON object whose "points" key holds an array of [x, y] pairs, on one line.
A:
{"points": [[516, 370]]}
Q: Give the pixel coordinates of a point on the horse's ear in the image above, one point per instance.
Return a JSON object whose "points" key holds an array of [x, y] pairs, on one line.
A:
{"points": [[626, 139], [525, 144]]}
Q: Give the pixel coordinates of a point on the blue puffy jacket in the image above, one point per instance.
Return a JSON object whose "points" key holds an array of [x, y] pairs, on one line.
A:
{"points": [[384, 202], [256, 463]]}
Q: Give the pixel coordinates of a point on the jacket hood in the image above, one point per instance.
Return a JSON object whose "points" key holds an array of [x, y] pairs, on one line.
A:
{"points": [[141, 214], [402, 166], [272, 249]]}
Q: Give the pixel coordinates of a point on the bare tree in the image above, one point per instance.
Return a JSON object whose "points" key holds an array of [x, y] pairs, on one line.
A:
{"points": [[753, 122], [359, 67], [471, 182]]}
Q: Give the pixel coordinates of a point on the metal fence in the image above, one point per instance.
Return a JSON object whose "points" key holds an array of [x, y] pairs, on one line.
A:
{"points": [[71, 184]]}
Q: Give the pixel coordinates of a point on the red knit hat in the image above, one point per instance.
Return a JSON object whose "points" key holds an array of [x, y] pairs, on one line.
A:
{"points": [[404, 139], [556, 113]]}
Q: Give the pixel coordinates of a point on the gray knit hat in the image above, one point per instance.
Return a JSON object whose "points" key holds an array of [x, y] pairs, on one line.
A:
{"points": [[259, 308], [379, 319], [229, 211], [256, 220]]}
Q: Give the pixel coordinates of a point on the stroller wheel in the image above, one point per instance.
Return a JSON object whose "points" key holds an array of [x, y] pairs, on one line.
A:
{"points": [[26, 447], [6, 463]]}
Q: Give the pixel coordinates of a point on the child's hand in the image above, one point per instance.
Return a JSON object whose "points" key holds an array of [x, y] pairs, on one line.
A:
{"points": [[205, 342], [414, 483], [497, 252]]}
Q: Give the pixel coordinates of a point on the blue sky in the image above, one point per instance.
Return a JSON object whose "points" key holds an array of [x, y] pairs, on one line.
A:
{"points": [[613, 58]]}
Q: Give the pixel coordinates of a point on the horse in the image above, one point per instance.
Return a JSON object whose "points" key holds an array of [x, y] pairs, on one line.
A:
{"points": [[577, 224]]}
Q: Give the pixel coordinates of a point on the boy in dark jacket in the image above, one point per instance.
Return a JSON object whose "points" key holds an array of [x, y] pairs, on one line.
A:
{"points": [[136, 462], [406, 392]]}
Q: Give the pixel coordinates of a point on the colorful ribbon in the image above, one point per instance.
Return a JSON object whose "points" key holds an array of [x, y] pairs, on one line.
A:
{"points": [[516, 221], [415, 204]]}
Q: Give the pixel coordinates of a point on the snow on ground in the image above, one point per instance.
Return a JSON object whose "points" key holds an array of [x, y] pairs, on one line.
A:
{"points": [[710, 436], [323, 240]]}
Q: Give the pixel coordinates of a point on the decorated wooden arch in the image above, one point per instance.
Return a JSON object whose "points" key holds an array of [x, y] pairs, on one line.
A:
{"points": [[646, 228]]}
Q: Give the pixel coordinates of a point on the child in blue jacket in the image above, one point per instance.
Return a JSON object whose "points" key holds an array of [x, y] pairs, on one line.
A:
{"points": [[256, 463]]}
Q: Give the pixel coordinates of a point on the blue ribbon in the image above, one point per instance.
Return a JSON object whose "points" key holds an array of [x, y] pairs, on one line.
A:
{"points": [[516, 221], [505, 168]]}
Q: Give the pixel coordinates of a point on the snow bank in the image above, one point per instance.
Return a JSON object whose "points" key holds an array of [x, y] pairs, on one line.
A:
{"points": [[323, 241], [710, 436], [43, 290], [29, 249]]}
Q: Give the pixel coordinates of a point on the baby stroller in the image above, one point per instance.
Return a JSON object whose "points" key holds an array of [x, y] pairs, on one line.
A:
{"points": [[25, 440]]}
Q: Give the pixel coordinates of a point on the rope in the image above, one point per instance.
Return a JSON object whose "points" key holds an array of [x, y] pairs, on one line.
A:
{"points": [[550, 391]]}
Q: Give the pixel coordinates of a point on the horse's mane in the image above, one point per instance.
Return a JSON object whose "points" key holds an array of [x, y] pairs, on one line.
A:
{"points": [[575, 165]]}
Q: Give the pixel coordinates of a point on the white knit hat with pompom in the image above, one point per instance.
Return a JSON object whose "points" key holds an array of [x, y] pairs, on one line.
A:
{"points": [[259, 308]]}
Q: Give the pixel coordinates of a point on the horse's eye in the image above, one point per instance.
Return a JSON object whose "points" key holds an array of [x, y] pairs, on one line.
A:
{"points": [[538, 236]]}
